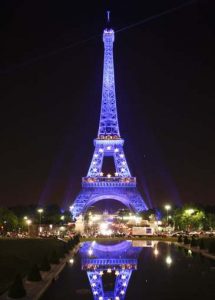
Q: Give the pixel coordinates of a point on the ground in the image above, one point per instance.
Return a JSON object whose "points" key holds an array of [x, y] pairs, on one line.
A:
{"points": [[18, 255]]}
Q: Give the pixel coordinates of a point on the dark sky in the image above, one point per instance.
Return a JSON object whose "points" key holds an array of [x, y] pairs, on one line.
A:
{"points": [[51, 93]]}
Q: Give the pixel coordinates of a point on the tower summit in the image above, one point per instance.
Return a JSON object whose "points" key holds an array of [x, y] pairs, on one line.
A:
{"points": [[120, 186]]}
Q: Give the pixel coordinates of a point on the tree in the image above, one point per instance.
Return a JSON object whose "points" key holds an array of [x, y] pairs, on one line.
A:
{"points": [[8, 220], [45, 265], [187, 218], [54, 259], [34, 274], [17, 289]]}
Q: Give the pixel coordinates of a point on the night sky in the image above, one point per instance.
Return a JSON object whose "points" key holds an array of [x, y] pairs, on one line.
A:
{"points": [[51, 60]]}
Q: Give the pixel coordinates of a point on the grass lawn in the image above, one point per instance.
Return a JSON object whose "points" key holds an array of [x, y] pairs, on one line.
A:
{"points": [[18, 255]]}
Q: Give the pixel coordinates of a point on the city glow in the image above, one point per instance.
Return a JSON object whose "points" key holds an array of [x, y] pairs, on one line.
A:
{"points": [[104, 230]]}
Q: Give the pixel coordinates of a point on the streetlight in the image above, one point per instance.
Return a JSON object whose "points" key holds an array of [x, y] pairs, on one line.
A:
{"points": [[28, 222], [40, 211], [167, 208], [168, 260]]}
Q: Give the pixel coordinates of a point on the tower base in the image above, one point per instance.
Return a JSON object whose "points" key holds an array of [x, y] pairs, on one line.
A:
{"points": [[129, 196]]}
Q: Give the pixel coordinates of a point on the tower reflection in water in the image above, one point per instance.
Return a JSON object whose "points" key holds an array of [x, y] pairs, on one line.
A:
{"points": [[109, 267]]}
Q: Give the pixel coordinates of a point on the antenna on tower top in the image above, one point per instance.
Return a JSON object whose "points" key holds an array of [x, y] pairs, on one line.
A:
{"points": [[108, 16]]}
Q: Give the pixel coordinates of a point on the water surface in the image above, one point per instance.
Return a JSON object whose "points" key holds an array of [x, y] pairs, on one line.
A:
{"points": [[135, 270]]}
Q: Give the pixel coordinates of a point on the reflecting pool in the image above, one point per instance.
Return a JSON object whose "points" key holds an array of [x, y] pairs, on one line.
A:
{"points": [[135, 270]]}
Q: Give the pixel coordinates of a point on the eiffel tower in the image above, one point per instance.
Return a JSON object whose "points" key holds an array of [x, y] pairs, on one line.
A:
{"points": [[118, 260], [120, 186]]}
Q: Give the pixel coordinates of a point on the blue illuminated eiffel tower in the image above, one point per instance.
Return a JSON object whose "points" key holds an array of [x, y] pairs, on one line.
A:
{"points": [[96, 185], [120, 260]]}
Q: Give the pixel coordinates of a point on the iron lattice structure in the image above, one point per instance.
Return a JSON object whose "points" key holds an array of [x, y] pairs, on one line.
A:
{"points": [[120, 259], [96, 185]]}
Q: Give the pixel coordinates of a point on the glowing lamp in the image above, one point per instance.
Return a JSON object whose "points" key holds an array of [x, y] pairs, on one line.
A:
{"points": [[90, 252], [28, 222], [117, 273], [156, 252], [167, 207], [168, 260]]}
